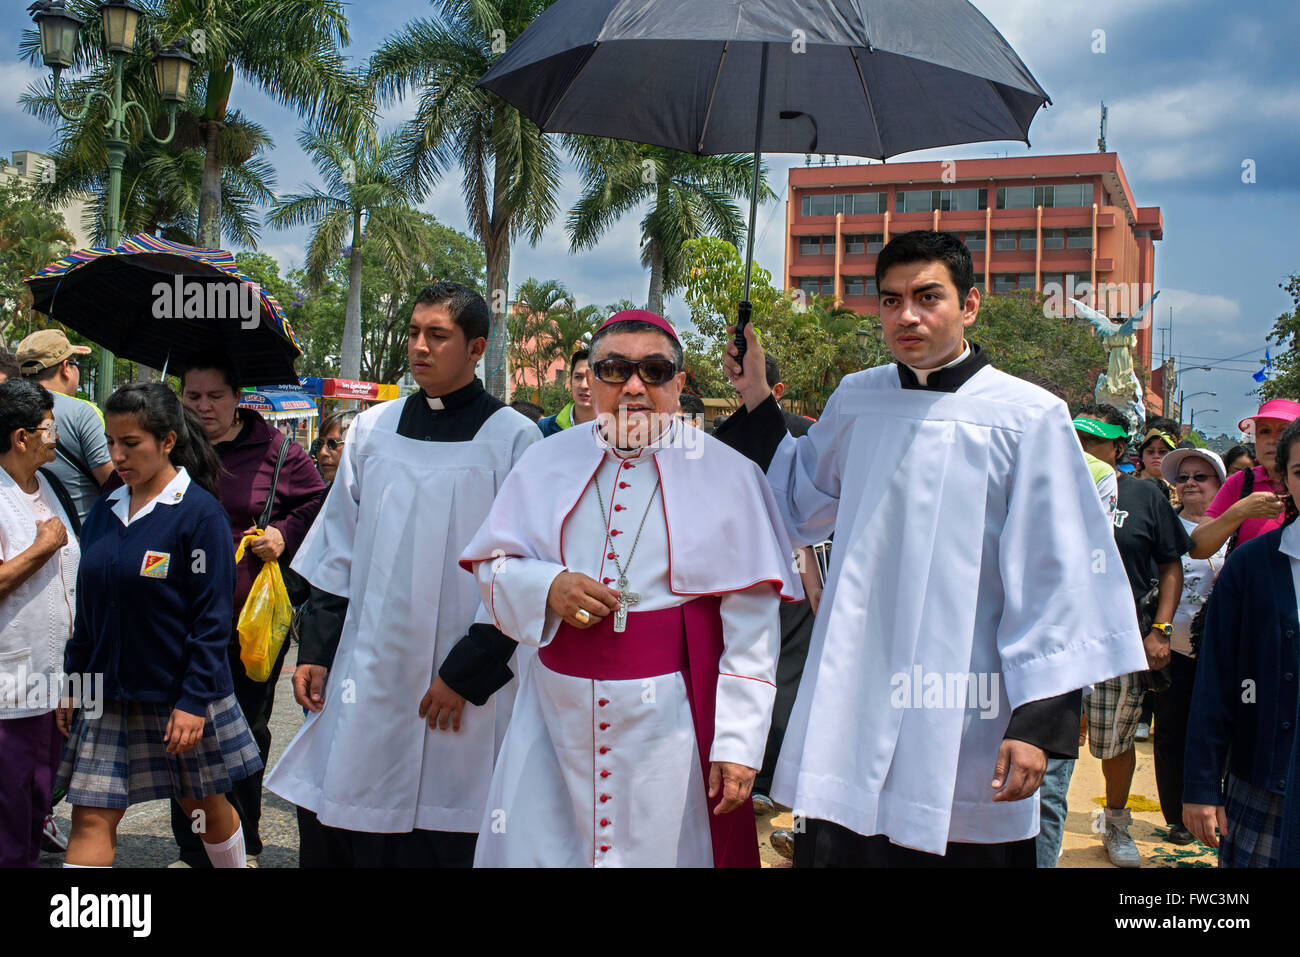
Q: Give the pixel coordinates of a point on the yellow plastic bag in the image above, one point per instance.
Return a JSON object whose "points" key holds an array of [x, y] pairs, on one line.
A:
{"points": [[265, 618]]}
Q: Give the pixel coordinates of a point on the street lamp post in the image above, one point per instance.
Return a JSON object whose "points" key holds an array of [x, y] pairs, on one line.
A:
{"points": [[1192, 424], [59, 29]]}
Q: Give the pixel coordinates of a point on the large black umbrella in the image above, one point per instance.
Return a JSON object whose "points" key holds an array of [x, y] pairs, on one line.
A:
{"points": [[153, 301], [871, 78]]}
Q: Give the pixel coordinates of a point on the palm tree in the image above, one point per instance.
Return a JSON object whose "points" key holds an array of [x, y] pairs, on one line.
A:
{"points": [[510, 171], [290, 49], [366, 201], [539, 305], [29, 241], [689, 196], [573, 327]]}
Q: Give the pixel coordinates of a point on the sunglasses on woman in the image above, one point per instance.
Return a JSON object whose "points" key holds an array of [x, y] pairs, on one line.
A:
{"points": [[333, 444], [652, 370], [1198, 477]]}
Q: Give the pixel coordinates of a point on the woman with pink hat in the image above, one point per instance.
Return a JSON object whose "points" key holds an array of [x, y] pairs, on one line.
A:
{"points": [[1250, 502]]}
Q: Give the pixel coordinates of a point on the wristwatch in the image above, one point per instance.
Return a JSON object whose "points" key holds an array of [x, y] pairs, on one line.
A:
{"points": [[1164, 628]]}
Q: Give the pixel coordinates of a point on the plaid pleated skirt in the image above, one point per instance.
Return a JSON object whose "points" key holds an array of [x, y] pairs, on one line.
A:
{"points": [[120, 758], [1254, 826]]}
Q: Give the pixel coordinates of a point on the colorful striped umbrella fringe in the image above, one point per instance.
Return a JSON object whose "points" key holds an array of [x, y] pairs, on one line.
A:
{"points": [[144, 243]]}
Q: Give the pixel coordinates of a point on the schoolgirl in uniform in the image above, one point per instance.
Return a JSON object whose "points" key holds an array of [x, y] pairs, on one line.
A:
{"points": [[154, 617]]}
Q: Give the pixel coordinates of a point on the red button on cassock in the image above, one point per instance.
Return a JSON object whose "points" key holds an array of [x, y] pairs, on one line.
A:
{"points": [[607, 580], [620, 508], [604, 725], [604, 798], [612, 555], [604, 749], [604, 774], [604, 822], [628, 465], [615, 531], [603, 701], [604, 847], [623, 485]]}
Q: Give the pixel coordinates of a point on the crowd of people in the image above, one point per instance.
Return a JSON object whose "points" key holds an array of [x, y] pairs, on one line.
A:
{"points": [[600, 638]]}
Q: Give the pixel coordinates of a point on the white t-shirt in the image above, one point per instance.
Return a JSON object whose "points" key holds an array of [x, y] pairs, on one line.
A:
{"points": [[1198, 581]]}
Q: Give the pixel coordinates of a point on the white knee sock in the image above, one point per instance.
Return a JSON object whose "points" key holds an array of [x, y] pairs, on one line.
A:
{"points": [[230, 852], [88, 866]]}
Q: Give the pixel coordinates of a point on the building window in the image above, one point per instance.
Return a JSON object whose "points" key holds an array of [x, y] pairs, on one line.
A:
{"points": [[875, 241], [1053, 238], [1026, 280], [1027, 197], [852, 285], [1004, 282], [975, 242], [818, 285], [945, 200], [810, 245], [1028, 238], [1079, 237], [855, 244], [1054, 277], [850, 204], [1004, 240]]}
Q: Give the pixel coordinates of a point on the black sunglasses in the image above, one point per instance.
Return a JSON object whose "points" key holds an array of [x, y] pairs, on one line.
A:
{"points": [[333, 444], [1199, 477], [652, 370]]}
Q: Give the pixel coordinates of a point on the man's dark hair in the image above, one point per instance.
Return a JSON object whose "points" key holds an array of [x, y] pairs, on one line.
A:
{"points": [[1164, 424], [467, 308], [636, 325], [1236, 452], [203, 361], [924, 245], [23, 405], [690, 404], [582, 355], [1106, 413], [530, 409], [9, 365], [771, 370]]}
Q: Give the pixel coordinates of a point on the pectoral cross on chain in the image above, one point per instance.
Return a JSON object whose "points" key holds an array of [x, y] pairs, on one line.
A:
{"points": [[626, 599]]}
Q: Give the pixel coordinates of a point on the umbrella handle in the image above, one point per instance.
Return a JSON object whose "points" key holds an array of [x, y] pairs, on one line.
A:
{"points": [[743, 311]]}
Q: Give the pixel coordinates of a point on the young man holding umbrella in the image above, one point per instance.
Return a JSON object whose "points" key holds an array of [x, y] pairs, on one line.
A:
{"points": [[976, 587]]}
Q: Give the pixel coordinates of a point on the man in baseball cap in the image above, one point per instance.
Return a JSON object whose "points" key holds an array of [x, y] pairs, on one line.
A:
{"points": [[44, 350], [81, 461]]}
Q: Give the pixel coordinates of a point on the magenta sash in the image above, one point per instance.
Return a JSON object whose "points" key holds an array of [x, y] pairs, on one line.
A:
{"points": [[688, 639]]}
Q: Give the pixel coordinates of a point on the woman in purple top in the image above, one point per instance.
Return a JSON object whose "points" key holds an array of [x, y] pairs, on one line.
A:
{"points": [[249, 448], [1263, 509]]}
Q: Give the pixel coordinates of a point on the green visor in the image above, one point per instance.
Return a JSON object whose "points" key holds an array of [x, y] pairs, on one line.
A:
{"points": [[1103, 430]]}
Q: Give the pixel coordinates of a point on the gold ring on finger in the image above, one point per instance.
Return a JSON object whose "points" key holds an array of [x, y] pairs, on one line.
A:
{"points": [[583, 615]]}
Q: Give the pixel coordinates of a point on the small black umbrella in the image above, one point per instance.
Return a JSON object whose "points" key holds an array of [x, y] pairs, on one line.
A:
{"points": [[152, 301], [871, 78]]}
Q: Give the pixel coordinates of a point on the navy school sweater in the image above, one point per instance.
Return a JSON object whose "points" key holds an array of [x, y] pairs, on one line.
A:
{"points": [[154, 607]]}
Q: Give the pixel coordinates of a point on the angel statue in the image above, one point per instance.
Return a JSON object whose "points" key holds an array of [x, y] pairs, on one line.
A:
{"points": [[1119, 341]]}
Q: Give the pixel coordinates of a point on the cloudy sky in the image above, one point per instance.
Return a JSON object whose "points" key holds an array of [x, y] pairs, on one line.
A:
{"points": [[1194, 88]]}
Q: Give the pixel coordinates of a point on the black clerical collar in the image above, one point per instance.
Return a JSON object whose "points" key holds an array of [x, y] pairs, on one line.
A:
{"points": [[949, 378], [454, 400]]}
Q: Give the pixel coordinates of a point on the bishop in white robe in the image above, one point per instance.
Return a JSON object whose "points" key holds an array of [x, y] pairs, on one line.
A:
{"points": [[607, 760], [974, 587], [415, 480]]}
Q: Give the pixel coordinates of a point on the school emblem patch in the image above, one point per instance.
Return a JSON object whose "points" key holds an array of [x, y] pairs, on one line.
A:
{"points": [[155, 564]]}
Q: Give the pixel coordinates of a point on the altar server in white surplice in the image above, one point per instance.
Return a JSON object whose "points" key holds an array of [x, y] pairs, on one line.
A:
{"points": [[974, 586], [376, 779], [647, 562]]}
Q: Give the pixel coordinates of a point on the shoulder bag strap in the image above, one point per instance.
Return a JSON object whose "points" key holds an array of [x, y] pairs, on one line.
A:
{"points": [[61, 493]]}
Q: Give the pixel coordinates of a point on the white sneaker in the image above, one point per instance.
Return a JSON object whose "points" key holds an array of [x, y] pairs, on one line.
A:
{"points": [[250, 860], [177, 863], [52, 839], [1120, 846], [1143, 732]]}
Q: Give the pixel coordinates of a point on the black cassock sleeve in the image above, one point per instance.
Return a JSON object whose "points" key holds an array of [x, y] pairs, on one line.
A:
{"points": [[755, 435], [320, 628], [1051, 724], [477, 666]]}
